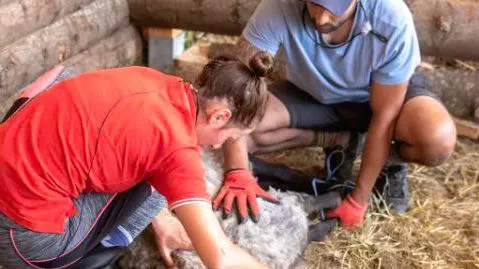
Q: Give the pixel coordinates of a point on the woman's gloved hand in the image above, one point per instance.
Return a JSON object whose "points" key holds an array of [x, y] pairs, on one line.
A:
{"points": [[240, 185]]}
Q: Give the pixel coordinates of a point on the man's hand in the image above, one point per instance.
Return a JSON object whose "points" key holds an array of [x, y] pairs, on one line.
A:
{"points": [[350, 212], [242, 186], [170, 236]]}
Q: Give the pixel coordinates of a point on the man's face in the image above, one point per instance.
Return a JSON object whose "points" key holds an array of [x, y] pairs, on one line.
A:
{"points": [[324, 21]]}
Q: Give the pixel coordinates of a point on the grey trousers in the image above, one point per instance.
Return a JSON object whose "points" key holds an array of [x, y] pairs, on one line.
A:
{"points": [[19, 246]]}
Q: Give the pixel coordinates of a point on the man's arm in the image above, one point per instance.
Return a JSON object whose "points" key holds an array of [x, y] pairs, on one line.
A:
{"points": [[209, 240], [386, 102]]}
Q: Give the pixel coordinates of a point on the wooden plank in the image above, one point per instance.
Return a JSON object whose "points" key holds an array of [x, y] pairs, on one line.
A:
{"points": [[164, 45], [163, 32], [467, 128]]}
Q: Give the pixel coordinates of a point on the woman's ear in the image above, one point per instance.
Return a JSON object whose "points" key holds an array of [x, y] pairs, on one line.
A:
{"points": [[219, 118]]}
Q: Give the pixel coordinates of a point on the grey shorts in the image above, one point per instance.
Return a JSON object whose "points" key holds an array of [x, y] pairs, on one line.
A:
{"points": [[307, 113]]}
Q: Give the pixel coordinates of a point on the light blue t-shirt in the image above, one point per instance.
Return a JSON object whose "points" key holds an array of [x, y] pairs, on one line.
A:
{"points": [[382, 47]]}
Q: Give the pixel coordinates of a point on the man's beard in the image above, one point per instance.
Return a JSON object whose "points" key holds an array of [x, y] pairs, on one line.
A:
{"points": [[329, 27]]}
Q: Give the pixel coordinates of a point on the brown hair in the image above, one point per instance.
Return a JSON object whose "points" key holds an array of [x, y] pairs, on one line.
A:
{"points": [[243, 87]]}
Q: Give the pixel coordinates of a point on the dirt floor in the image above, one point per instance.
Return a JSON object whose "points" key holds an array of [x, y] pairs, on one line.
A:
{"points": [[441, 230]]}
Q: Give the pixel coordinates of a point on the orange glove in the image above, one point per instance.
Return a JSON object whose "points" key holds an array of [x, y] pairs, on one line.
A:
{"points": [[350, 212], [242, 186]]}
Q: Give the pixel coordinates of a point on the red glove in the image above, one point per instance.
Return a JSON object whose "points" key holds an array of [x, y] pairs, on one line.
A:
{"points": [[350, 212], [242, 186]]}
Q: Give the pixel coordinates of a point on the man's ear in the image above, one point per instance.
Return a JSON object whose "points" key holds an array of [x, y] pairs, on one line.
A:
{"points": [[219, 118]]}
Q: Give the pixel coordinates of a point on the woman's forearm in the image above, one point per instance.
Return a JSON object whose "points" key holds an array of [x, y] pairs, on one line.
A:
{"points": [[237, 258], [209, 240], [236, 154]]}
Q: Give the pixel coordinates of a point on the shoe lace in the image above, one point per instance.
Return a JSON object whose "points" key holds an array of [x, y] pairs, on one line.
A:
{"points": [[330, 177]]}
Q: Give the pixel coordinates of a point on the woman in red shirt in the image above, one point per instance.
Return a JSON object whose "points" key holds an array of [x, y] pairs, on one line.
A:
{"points": [[85, 164]]}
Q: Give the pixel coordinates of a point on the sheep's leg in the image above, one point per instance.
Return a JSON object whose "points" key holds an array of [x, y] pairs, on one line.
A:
{"points": [[280, 177], [320, 203], [312, 204], [317, 232], [283, 178]]}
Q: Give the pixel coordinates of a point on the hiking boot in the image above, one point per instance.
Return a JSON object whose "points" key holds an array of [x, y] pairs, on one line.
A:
{"points": [[393, 187], [339, 161]]}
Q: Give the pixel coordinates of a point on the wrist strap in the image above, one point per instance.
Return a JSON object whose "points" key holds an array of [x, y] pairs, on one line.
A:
{"points": [[235, 169], [355, 204]]}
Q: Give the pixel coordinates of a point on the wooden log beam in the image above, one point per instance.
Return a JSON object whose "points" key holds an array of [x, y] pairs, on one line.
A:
{"points": [[223, 17], [458, 90], [122, 48], [4, 2], [445, 27], [26, 58], [20, 18]]}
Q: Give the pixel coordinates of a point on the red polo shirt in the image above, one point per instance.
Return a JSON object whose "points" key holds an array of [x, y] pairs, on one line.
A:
{"points": [[102, 131]]}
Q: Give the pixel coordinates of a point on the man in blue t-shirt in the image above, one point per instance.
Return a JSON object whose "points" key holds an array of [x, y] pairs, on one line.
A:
{"points": [[351, 70]]}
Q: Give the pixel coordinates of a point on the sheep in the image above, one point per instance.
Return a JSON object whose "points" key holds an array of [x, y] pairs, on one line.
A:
{"points": [[278, 239]]}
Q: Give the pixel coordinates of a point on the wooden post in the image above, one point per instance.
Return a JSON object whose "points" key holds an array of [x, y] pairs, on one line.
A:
{"points": [[164, 45]]}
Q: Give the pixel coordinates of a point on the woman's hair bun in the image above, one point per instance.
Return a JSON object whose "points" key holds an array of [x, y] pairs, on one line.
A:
{"points": [[261, 63]]}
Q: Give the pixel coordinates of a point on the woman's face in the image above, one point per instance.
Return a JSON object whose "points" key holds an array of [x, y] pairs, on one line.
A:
{"points": [[215, 138], [213, 126]]}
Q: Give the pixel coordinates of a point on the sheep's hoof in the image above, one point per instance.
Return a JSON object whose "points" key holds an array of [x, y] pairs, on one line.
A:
{"points": [[317, 232]]}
